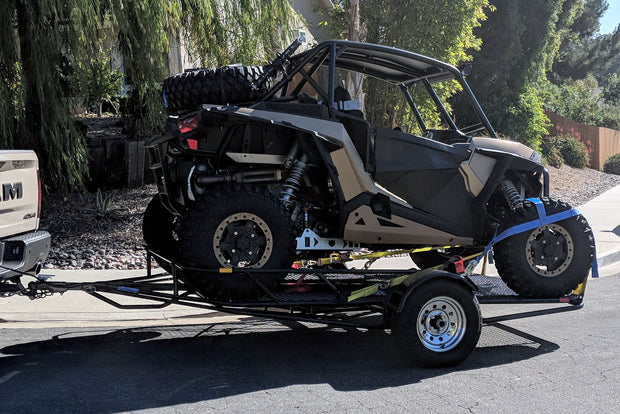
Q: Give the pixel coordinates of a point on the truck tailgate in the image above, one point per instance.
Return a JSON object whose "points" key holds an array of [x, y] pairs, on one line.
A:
{"points": [[19, 195]]}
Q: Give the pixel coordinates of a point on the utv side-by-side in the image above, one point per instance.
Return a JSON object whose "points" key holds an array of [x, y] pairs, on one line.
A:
{"points": [[265, 166]]}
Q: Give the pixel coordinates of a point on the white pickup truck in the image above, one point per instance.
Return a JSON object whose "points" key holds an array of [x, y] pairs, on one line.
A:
{"points": [[23, 247]]}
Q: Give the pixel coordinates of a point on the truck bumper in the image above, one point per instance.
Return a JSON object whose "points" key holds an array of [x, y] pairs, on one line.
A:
{"points": [[23, 252]]}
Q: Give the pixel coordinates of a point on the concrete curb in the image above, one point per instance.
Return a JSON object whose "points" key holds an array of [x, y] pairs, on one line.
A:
{"points": [[609, 258]]}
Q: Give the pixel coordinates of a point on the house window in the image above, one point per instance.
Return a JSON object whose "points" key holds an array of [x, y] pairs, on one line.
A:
{"points": [[302, 36]]}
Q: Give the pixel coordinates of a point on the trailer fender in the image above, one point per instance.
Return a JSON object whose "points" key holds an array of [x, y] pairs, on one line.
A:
{"points": [[415, 280]]}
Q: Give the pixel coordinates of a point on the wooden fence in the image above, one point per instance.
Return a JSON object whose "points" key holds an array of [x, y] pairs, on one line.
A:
{"points": [[118, 163], [601, 143]]}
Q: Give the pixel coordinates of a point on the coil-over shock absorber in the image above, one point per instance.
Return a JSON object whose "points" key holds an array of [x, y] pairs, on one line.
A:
{"points": [[510, 192], [292, 184]]}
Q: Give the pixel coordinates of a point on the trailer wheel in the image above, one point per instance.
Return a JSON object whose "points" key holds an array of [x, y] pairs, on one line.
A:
{"points": [[440, 324], [235, 226], [549, 261], [157, 231]]}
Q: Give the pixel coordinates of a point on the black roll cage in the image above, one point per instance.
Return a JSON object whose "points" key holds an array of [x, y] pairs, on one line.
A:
{"points": [[396, 66]]}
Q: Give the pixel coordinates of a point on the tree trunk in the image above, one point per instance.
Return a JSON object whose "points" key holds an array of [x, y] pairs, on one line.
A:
{"points": [[354, 81]]}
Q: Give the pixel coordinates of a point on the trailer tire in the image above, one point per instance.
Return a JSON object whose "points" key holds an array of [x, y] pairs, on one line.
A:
{"points": [[235, 226], [527, 263], [439, 325], [158, 231], [224, 85]]}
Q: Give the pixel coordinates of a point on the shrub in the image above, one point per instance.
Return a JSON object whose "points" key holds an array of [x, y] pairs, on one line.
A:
{"points": [[612, 165], [573, 151], [551, 154], [106, 207]]}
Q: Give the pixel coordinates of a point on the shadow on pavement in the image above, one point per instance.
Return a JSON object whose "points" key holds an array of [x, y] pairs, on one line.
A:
{"points": [[132, 369]]}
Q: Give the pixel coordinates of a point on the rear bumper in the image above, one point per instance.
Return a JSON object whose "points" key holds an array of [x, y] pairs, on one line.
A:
{"points": [[23, 252]]}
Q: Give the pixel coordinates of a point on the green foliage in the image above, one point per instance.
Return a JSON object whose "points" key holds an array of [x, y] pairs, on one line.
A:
{"points": [[441, 29], [44, 42], [224, 32], [142, 110], [519, 42], [583, 101], [99, 83], [36, 113], [587, 23], [551, 154], [105, 207], [573, 151], [582, 51], [527, 121], [611, 90], [217, 32], [612, 164]]}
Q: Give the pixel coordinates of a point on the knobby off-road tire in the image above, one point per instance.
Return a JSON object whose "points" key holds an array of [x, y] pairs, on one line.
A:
{"points": [[228, 84], [549, 261], [440, 324], [235, 226], [157, 231]]}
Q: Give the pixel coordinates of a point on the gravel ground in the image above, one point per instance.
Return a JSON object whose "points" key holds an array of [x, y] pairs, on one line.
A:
{"points": [[81, 239]]}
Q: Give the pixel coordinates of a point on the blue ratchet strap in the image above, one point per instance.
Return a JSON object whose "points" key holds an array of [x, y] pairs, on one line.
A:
{"points": [[165, 100], [542, 220]]}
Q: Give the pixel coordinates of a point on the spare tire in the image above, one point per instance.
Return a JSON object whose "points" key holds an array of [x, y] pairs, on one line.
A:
{"points": [[228, 84]]}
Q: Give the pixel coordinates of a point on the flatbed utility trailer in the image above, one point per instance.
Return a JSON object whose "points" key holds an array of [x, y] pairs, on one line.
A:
{"points": [[434, 313]]}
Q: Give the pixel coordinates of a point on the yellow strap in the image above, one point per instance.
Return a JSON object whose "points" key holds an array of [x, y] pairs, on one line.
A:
{"points": [[225, 270], [398, 280], [363, 292], [377, 255]]}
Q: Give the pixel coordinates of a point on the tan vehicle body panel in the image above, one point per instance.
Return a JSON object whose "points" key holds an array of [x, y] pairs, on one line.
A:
{"points": [[18, 214], [511, 147], [354, 181]]}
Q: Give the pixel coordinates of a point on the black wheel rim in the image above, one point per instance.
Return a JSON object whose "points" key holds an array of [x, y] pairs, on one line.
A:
{"points": [[242, 240], [549, 250]]}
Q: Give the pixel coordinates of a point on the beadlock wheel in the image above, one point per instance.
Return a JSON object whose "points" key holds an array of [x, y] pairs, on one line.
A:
{"points": [[235, 226], [242, 240], [549, 250], [549, 261], [441, 324]]}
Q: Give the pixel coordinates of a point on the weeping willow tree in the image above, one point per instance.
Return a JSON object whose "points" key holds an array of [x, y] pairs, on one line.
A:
{"points": [[43, 40], [34, 107]]}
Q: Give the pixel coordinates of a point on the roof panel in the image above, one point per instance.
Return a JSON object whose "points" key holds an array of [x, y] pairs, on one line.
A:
{"points": [[387, 63]]}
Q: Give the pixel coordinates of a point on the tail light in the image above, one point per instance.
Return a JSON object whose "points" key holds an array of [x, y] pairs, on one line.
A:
{"points": [[39, 195], [188, 125]]}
